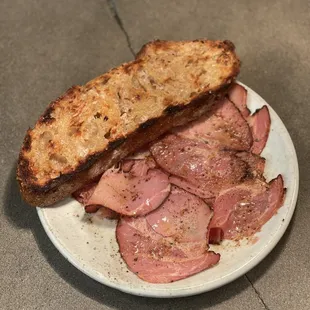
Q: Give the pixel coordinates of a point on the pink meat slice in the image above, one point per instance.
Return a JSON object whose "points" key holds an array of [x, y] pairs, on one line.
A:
{"points": [[242, 210], [182, 216], [160, 255], [83, 194], [259, 122], [260, 127], [170, 271], [136, 192], [223, 127], [255, 162], [238, 95], [197, 168]]}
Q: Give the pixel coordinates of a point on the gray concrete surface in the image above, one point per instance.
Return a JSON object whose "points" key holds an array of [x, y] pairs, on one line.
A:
{"points": [[47, 46]]}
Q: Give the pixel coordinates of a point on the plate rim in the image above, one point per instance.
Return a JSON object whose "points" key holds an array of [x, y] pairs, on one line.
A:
{"points": [[194, 290]]}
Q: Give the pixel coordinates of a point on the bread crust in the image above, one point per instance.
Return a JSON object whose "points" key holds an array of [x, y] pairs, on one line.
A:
{"points": [[47, 190]]}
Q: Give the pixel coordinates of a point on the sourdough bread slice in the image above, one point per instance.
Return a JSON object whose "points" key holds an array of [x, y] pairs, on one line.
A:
{"points": [[91, 127]]}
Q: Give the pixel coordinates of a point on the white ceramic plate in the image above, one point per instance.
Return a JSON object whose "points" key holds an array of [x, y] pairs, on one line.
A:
{"points": [[90, 244]]}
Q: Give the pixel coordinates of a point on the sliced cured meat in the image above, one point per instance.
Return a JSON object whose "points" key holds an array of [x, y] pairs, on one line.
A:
{"points": [[132, 193], [138, 168], [128, 164], [255, 162], [223, 127], [102, 211], [260, 127], [182, 216], [83, 194], [159, 248], [259, 122], [159, 271], [156, 259], [238, 95], [198, 168], [242, 210]]}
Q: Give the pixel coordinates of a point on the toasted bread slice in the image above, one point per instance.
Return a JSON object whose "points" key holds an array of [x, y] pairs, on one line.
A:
{"points": [[91, 127]]}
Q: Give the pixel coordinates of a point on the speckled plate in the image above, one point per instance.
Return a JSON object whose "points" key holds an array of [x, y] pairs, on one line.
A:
{"points": [[89, 243]]}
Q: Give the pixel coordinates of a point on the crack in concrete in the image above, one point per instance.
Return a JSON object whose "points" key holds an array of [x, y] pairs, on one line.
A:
{"points": [[113, 9], [257, 293]]}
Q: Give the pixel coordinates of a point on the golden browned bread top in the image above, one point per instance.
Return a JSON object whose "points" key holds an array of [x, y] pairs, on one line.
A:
{"points": [[89, 119]]}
